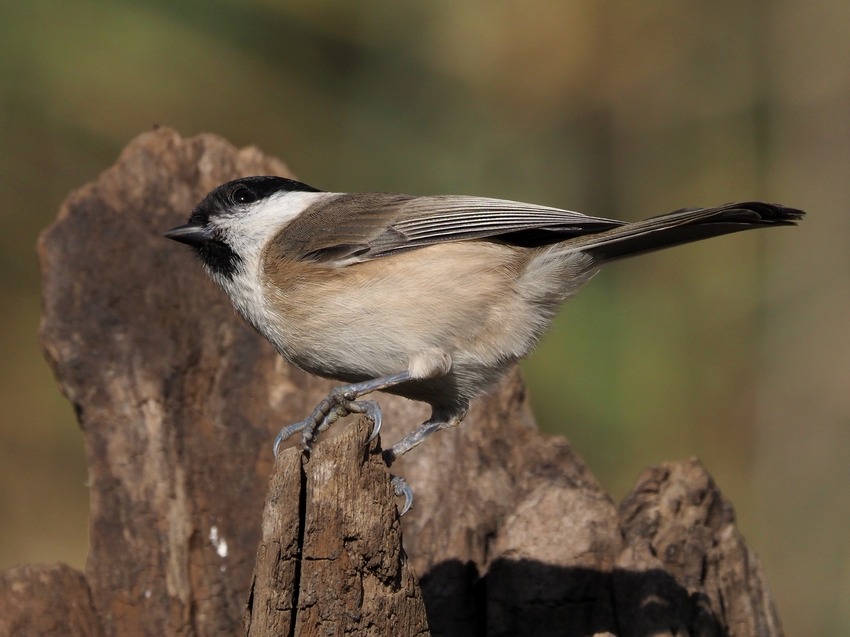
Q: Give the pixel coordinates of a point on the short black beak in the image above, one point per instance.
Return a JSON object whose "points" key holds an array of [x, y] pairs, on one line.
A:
{"points": [[189, 234]]}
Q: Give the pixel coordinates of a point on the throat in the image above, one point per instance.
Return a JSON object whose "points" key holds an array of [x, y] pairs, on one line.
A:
{"points": [[247, 295]]}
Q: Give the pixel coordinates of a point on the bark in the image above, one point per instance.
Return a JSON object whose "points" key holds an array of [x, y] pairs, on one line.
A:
{"points": [[179, 402], [330, 560], [46, 600]]}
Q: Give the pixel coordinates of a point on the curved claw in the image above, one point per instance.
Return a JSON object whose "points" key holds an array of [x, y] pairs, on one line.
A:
{"points": [[402, 489], [287, 431], [372, 411], [376, 428], [327, 413], [341, 402]]}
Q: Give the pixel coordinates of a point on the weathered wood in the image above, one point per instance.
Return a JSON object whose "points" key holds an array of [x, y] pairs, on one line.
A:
{"points": [[46, 600], [177, 398], [686, 565], [179, 402], [330, 561]]}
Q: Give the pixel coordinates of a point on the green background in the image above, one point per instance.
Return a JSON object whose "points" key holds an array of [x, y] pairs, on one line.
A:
{"points": [[736, 350]]}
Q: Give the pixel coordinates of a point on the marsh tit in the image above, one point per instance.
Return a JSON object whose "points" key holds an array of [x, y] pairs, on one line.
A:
{"points": [[432, 298]]}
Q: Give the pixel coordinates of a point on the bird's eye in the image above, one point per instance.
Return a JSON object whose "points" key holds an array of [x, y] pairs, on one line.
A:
{"points": [[243, 195]]}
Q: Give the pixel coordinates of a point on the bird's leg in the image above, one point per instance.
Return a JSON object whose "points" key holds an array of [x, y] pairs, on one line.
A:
{"points": [[436, 422], [342, 401], [338, 404], [428, 363]]}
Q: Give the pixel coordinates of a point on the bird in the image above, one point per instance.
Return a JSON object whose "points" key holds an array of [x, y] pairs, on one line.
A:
{"points": [[433, 298]]}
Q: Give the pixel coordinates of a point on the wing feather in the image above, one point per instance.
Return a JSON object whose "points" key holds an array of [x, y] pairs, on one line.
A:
{"points": [[361, 227]]}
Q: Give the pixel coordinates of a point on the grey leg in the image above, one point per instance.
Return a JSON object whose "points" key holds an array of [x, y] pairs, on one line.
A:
{"points": [[434, 423], [338, 404], [342, 401]]}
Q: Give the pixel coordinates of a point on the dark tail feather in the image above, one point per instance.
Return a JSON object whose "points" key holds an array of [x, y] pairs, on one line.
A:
{"points": [[684, 226]]}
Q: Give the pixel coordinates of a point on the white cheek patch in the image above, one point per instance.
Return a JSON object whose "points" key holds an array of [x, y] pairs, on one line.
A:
{"points": [[247, 232]]}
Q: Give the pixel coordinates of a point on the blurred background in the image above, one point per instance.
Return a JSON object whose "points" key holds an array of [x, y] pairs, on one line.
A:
{"points": [[735, 350]]}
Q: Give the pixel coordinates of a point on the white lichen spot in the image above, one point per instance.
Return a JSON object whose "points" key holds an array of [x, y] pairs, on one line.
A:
{"points": [[219, 543], [148, 594]]}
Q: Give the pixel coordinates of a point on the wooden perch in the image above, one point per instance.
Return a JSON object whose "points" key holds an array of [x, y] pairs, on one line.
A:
{"points": [[179, 402], [330, 560]]}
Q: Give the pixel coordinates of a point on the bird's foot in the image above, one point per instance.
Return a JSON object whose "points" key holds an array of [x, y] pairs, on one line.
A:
{"points": [[338, 404], [402, 490]]}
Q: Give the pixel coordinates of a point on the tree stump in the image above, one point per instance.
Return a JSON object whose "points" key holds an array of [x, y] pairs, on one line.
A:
{"points": [[195, 530]]}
